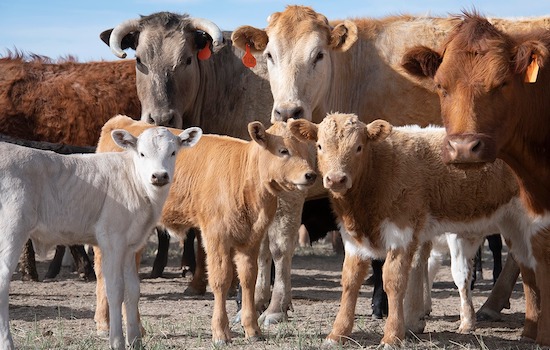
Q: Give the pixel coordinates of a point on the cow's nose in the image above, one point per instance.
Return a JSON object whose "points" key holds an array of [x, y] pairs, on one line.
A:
{"points": [[160, 178], [336, 180], [465, 149], [311, 177], [283, 114]]}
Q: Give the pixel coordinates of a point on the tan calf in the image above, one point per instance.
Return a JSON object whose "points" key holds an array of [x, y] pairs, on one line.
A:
{"points": [[228, 188], [391, 192]]}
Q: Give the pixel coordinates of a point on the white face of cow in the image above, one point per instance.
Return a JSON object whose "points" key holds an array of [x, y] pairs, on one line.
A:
{"points": [[154, 152], [298, 45]]}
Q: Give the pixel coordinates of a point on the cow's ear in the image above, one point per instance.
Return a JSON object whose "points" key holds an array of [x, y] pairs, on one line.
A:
{"points": [[343, 36], [190, 136], [421, 61], [124, 139], [130, 40], [256, 39], [303, 130], [528, 51], [257, 133], [378, 130]]}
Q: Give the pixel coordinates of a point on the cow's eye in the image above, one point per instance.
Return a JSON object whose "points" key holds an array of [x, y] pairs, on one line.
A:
{"points": [[269, 57], [141, 154], [359, 148], [138, 60], [173, 153], [318, 58], [188, 61], [319, 147], [284, 151], [442, 91]]}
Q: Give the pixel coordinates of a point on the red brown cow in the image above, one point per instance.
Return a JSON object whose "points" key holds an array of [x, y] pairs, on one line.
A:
{"points": [[495, 106]]}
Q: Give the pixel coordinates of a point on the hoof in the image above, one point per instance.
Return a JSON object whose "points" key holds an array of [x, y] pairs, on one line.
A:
{"points": [[255, 338], [192, 292], [102, 333], [270, 319], [329, 344], [220, 342], [417, 328], [488, 315]]}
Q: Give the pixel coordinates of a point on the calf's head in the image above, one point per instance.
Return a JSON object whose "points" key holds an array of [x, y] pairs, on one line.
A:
{"points": [[480, 77], [168, 50], [297, 45], [154, 152], [285, 163], [343, 146]]}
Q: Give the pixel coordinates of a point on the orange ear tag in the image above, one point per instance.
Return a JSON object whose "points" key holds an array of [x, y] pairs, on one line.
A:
{"points": [[248, 59], [532, 70], [204, 53]]}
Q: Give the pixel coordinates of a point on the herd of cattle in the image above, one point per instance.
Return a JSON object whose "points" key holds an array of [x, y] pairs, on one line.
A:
{"points": [[328, 108]]}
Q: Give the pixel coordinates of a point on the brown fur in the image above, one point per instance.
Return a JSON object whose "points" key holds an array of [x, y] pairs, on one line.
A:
{"points": [[482, 73], [66, 102], [231, 197], [396, 176]]}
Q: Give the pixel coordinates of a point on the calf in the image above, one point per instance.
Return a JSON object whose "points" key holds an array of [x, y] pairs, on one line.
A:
{"points": [[228, 188], [110, 200], [391, 192]]}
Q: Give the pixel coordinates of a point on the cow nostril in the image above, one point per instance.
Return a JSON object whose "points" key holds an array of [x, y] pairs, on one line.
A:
{"points": [[477, 146], [150, 120], [311, 176], [298, 113]]}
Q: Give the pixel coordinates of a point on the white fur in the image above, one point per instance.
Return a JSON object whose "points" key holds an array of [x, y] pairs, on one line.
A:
{"points": [[106, 199]]}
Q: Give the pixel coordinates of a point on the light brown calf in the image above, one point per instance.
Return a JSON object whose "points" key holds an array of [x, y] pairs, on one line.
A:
{"points": [[228, 188], [391, 192]]}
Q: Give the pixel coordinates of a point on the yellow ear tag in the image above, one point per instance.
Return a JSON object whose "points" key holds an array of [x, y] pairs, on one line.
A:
{"points": [[248, 59], [532, 70], [205, 52]]}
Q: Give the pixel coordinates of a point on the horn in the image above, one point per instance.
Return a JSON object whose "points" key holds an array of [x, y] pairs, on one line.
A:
{"points": [[211, 29], [118, 33]]}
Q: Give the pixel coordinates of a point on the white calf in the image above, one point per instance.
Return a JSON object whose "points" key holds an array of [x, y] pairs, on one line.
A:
{"points": [[112, 200]]}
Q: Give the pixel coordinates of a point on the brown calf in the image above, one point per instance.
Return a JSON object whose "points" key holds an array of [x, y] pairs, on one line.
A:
{"points": [[229, 189]]}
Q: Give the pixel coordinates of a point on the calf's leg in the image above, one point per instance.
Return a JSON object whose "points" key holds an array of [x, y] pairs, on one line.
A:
{"points": [[27, 263], [413, 303], [246, 261], [354, 271], [131, 299]]}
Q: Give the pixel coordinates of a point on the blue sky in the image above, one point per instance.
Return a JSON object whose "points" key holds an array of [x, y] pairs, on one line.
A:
{"points": [[58, 28]]}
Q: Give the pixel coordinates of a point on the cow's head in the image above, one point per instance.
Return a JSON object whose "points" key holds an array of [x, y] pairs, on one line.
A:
{"points": [[154, 152], [343, 145], [285, 162], [168, 47], [298, 44], [479, 77]]}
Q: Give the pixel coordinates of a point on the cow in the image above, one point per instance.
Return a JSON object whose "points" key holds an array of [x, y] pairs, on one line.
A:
{"points": [[352, 64], [231, 195], [495, 105], [392, 192], [111, 200], [62, 101]]}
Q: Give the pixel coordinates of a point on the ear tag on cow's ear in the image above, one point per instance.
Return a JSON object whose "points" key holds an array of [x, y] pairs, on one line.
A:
{"points": [[248, 59], [532, 70], [205, 52]]}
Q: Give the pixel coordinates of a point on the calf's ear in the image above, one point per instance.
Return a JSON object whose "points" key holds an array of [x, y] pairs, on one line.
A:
{"points": [[256, 130], [378, 130], [343, 36], [190, 136], [527, 52], [421, 61], [303, 130], [124, 139], [256, 39]]}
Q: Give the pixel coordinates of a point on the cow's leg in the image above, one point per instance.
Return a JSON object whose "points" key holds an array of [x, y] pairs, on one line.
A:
{"points": [[188, 259], [477, 266], [11, 246], [83, 264], [283, 237], [161, 259], [263, 281], [197, 286], [379, 298], [55, 264], [462, 251], [414, 310], [541, 251], [395, 276], [247, 269], [501, 292], [532, 304], [131, 299], [112, 268], [495, 245], [434, 264], [354, 271], [27, 263], [220, 274], [101, 316]]}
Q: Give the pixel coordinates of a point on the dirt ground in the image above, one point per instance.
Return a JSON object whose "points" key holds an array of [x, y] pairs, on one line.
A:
{"points": [[59, 314]]}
